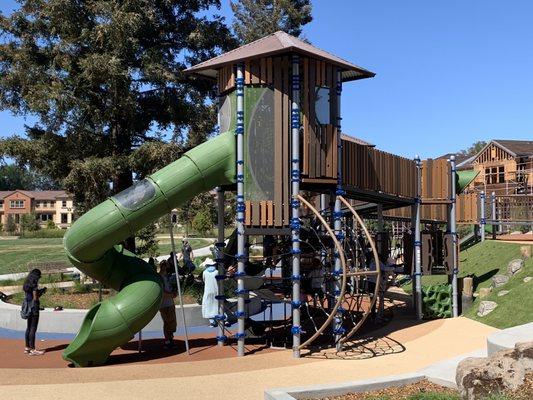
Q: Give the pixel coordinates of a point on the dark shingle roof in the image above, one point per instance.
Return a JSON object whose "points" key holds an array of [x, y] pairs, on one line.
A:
{"points": [[516, 147], [278, 43]]}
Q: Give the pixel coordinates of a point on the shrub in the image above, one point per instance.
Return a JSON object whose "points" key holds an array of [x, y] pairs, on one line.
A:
{"points": [[11, 226], [50, 225], [44, 233]]}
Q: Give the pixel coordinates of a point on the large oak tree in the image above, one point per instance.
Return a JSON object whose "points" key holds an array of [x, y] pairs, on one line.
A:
{"points": [[103, 77]]}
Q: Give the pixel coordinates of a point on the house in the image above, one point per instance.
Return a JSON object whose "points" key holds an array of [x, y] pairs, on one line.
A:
{"points": [[505, 167], [47, 205]]}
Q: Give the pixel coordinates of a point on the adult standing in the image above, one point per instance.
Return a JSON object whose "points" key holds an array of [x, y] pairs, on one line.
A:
{"points": [[188, 257], [168, 309], [30, 310]]}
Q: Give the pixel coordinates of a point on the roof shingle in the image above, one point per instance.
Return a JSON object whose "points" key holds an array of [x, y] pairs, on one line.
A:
{"points": [[277, 43]]}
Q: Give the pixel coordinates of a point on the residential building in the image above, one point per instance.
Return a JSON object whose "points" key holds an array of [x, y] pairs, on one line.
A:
{"points": [[47, 205], [505, 167]]}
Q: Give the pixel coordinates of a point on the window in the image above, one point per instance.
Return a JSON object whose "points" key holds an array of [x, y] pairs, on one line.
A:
{"points": [[64, 218], [64, 204], [1, 203], [494, 175], [46, 217], [16, 203], [322, 105]]}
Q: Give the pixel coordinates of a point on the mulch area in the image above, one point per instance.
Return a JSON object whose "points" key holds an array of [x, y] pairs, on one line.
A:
{"points": [[418, 389], [401, 393]]}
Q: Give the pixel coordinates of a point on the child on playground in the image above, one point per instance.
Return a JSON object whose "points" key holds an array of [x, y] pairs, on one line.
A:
{"points": [[30, 310], [167, 309]]}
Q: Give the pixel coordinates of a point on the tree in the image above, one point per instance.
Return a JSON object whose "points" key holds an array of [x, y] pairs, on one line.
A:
{"points": [[11, 226], [255, 19], [474, 149], [28, 222], [149, 245], [14, 177], [202, 222], [101, 77], [203, 203]]}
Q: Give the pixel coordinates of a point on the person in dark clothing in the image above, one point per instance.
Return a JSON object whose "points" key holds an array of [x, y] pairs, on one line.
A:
{"points": [[187, 256], [32, 295]]}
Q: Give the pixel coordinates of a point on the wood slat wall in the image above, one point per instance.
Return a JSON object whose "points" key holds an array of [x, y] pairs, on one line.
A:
{"points": [[274, 72], [367, 168], [226, 79], [319, 144]]}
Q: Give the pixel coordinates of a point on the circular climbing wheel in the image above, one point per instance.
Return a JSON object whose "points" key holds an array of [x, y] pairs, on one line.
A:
{"points": [[334, 302]]}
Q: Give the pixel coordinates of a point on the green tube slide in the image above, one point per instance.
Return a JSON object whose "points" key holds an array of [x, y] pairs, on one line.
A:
{"points": [[464, 178], [91, 246]]}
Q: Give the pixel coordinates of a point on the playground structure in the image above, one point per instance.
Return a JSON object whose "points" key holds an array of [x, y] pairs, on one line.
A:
{"points": [[303, 190]]}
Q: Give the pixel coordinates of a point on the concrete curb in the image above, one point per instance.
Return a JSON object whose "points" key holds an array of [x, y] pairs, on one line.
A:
{"points": [[507, 338], [338, 389], [69, 320]]}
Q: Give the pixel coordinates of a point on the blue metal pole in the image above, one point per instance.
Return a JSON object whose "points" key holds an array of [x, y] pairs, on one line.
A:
{"points": [[453, 232], [337, 214], [241, 256], [417, 241], [295, 205], [482, 220]]}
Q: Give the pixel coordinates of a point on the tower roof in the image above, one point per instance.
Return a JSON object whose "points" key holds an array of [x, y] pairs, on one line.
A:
{"points": [[274, 44]]}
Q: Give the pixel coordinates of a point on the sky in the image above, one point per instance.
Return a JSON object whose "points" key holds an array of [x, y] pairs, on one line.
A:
{"points": [[448, 73]]}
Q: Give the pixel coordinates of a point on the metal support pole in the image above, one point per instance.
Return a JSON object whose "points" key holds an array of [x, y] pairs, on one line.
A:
{"points": [[175, 262], [338, 329], [493, 214], [453, 232], [417, 241], [295, 205], [241, 256], [381, 310], [221, 274], [482, 220]]}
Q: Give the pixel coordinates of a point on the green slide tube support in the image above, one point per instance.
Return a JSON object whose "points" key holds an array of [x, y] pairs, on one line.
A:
{"points": [[92, 246]]}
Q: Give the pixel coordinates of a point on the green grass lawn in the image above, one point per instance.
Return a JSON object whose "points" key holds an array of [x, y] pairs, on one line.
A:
{"points": [[15, 254], [484, 260]]}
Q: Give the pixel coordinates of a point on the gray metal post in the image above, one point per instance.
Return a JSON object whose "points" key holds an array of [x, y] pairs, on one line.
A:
{"points": [[380, 228], [221, 274], [453, 232], [180, 296], [295, 205], [338, 330], [417, 241], [241, 256], [482, 220], [493, 214]]}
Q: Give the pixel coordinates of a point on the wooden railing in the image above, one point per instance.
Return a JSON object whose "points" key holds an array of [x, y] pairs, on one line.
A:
{"points": [[370, 169]]}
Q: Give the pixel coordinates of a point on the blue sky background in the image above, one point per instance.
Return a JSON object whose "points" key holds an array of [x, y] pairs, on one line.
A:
{"points": [[449, 73]]}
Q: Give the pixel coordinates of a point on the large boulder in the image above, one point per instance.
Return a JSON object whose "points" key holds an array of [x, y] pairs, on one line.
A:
{"points": [[486, 307], [524, 352], [505, 370], [514, 266], [499, 280]]}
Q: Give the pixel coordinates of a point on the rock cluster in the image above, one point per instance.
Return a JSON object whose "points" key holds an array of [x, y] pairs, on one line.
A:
{"points": [[478, 378]]}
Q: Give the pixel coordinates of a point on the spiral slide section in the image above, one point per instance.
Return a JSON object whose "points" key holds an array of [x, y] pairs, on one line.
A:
{"points": [[91, 245]]}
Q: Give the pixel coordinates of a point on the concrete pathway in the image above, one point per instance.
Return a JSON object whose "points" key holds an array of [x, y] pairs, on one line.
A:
{"points": [[413, 348]]}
